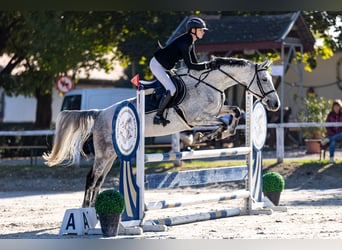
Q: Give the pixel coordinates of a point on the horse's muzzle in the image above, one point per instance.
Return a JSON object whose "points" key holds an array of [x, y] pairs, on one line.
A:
{"points": [[272, 105]]}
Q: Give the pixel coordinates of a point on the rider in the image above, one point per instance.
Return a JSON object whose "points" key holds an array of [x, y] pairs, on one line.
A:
{"points": [[165, 58]]}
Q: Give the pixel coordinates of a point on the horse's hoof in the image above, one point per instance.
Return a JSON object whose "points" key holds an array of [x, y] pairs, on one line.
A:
{"points": [[198, 137]]}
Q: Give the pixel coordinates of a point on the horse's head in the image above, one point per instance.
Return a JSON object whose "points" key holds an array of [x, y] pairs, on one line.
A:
{"points": [[254, 76], [262, 86]]}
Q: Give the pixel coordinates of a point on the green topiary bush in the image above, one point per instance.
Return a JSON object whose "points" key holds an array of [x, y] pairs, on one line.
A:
{"points": [[109, 202], [272, 182]]}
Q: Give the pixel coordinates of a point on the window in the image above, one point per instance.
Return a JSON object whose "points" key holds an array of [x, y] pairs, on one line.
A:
{"points": [[71, 102]]}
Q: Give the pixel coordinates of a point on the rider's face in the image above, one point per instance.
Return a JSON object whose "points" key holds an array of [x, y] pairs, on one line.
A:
{"points": [[197, 33], [200, 33]]}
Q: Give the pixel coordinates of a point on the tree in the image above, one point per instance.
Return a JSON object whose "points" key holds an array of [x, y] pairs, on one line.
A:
{"points": [[47, 44], [322, 23]]}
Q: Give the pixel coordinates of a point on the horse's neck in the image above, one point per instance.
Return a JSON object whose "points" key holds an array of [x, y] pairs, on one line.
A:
{"points": [[217, 78]]}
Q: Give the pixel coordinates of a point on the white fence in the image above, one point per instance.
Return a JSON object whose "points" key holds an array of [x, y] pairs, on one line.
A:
{"points": [[280, 148], [27, 133]]}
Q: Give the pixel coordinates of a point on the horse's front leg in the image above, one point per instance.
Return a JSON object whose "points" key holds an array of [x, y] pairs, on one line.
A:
{"points": [[233, 110], [226, 125], [232, 122]]}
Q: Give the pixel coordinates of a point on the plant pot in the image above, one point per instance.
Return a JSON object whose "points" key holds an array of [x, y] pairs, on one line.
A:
{"points": [[313, 146], [273, 196], [109, 224]]}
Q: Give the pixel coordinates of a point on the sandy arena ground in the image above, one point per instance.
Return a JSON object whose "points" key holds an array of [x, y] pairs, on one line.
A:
{"points": [[33, 203], [311, 214]]}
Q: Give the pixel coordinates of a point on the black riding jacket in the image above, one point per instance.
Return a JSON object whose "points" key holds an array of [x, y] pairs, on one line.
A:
{"points": [[181, 48]]}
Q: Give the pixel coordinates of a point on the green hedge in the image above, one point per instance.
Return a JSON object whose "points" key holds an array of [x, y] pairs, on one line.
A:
{"points": [[272, 182], [110, 202]]}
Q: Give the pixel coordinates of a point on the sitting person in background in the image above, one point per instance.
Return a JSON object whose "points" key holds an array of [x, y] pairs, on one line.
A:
{"points": [[334, 133]]}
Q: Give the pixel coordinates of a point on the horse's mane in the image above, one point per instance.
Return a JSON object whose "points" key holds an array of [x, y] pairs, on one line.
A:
{"points": [[231, 61]]}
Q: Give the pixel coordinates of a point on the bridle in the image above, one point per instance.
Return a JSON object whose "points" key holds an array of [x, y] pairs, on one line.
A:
{"points": [[248, 88]]}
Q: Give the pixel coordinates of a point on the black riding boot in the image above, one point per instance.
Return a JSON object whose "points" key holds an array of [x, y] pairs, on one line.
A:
{"points": [[159, 118]]}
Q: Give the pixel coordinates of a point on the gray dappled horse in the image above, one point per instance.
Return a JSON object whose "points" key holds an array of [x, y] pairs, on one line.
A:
{"points": [[202, 105]]}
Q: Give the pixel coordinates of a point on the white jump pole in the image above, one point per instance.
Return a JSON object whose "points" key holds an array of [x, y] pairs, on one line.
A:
{"points": [[140, 165], [199, 154], [249, 156], [239, 194]]}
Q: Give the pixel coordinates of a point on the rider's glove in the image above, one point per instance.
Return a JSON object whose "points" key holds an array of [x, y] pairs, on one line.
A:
{"points": [[212, 65]]}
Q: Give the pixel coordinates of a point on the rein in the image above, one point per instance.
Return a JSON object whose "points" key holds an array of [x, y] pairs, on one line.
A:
{"points": [[201, 80], [205, 74]]}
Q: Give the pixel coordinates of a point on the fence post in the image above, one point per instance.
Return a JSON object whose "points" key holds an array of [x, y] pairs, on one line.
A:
{"points": [[280, 143], [175, 142]]}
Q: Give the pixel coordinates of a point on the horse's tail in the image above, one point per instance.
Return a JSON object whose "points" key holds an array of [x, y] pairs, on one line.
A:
{"points": [[72, 129]]}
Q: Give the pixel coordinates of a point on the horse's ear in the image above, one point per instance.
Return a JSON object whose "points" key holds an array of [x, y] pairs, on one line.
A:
{"points": [[266, 64]]}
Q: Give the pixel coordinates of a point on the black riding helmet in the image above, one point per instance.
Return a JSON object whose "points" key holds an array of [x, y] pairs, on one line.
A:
{"points": [[195, 22]]}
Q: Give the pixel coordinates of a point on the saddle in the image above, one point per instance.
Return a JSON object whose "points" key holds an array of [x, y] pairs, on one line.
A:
{"points": [[152, 100]]}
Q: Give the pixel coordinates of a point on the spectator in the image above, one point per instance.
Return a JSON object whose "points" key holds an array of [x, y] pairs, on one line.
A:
{"points": [[334, 133]]}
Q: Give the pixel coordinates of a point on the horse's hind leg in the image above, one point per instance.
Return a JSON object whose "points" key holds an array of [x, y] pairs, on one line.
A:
{"points": [[95, 179]]}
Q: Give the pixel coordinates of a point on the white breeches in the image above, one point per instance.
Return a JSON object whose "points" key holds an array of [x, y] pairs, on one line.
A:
{"points": [[160, 73]]}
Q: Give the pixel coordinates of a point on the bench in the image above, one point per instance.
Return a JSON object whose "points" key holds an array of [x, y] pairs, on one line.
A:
{"points": [[325, 147]]}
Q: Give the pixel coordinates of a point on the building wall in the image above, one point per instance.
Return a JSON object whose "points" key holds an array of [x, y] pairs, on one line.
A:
{"points": [[323, 80]]}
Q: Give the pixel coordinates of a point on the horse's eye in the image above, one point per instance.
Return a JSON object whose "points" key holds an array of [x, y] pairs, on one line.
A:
{"points": [[264, 79]]}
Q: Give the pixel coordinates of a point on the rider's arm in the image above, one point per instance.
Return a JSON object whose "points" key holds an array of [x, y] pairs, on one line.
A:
{"points": [[190, 59]]}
